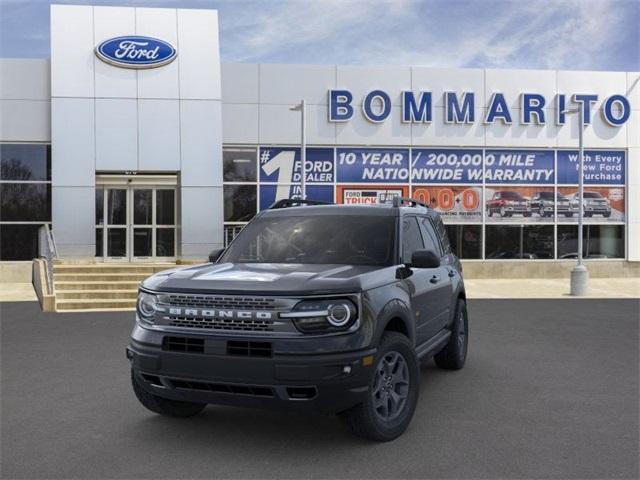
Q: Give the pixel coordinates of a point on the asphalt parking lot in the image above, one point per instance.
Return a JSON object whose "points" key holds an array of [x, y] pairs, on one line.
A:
{"points": [[550, 390]]}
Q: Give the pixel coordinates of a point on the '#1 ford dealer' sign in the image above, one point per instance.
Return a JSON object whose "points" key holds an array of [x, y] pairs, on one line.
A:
{"points": [[136, 52]]}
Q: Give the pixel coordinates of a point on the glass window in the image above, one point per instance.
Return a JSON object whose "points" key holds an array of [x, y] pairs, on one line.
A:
{"points": [[239, 164], [25, 162], [142, 206], [117, 207], [99, 206], [429, 236], [142, 242], [165, 207], [165, 242], [598, 241], [117, 242], [239, 203], [25, 202], [317, 239], [529, 242], [411, 238], [442, 234], [466, 240], [18, 242], [99, 242]]}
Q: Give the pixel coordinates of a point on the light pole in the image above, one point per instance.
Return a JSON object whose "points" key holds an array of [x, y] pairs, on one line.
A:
{"points": [[303, 146], [580, 274]]}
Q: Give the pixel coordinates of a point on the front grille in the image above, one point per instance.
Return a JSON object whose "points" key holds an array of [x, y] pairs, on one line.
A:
{"points": [[221, 302], [244, 325], [182, 344], [249, 349], [235, 389]]}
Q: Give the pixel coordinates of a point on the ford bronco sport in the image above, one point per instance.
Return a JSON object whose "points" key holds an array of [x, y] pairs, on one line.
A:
{"points": [[324, 308]]}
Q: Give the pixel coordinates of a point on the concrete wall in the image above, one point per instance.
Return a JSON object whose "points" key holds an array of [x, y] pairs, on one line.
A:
{"points": [[25, 100], [110, 119]]}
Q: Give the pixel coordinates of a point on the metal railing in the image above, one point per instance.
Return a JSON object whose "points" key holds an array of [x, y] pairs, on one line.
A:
{"points": [[47, 249], [230, 232]]}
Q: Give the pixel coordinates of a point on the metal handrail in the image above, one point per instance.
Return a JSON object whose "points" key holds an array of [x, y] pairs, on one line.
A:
{"points": [[47, 248]]}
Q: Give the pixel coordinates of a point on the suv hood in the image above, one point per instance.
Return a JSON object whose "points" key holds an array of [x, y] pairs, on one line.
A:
{"points": [[270, 278]]}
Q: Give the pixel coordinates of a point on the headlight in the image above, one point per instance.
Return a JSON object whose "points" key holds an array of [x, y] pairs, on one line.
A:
{"points": [[147, 306], [323, 316]]}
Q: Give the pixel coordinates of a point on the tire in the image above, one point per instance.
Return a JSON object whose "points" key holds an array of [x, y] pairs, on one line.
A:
{"points": [[606, 214], [527, 214], [368, 419], [490, 212], [454, 354], [568, 215], [164, 406]]}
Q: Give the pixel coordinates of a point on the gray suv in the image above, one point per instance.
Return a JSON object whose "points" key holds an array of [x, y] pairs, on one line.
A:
{"points": [[317, 308]]}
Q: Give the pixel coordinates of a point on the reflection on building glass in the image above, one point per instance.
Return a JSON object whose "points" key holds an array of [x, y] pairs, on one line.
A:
{"points": [[24, 162], [239, 203], [239, 164], [466, 240], [165, 242], [526, 242], [25, 202], [599, 241], [18, 242]]}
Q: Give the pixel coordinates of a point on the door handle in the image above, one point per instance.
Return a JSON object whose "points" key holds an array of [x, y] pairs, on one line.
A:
{"points": [[435, 279]]}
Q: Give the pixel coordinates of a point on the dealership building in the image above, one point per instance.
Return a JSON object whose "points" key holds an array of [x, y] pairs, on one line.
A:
{"points": [[127, 163]]}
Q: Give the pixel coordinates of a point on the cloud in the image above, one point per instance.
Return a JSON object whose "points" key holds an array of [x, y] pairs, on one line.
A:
{"points": [[545, 34]]}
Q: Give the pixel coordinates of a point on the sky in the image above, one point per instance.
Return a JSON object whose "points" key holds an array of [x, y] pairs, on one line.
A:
{"points": [[534, 34]]}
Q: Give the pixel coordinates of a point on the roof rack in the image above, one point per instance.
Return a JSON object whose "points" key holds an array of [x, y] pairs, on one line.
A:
{"points": [[295, 202], [408, 202]]}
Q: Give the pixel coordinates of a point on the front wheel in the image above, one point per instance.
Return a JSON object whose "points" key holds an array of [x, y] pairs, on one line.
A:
{"points": [[392, 394], [454, 354], [164, 406]]}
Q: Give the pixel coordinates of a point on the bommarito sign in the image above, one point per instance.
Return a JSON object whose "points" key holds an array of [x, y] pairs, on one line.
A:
{"points": [[460, 108]]}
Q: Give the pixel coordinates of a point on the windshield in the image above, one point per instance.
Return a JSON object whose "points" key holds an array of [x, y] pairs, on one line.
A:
{"points": [[512, 196], [592, 195], [546, 195], [318, 239]]}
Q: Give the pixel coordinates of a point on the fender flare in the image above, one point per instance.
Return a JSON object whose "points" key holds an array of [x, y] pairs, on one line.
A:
{"points": [[395, 309]]}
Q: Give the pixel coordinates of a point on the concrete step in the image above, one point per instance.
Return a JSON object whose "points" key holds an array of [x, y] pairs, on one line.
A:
{"points": [[108, 268], [62, 286], [94, 304], [102, 277], [97, 294]]}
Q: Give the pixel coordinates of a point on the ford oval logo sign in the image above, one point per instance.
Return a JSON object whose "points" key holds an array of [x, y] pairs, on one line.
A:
{"points": [[134, 51]]}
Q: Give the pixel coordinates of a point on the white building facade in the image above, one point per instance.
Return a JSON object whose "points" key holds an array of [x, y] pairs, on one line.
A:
{"points": [[167, 163]]}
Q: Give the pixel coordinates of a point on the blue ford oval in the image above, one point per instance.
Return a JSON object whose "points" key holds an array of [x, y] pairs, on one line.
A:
{"points": [[134, 51]]}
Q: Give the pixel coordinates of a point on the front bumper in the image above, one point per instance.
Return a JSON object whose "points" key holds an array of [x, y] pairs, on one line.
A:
{"points": [[597, 209], [323, 383]]}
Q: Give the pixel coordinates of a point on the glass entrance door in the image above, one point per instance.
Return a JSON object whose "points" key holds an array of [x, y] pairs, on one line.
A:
{"points": [[136, 223]]}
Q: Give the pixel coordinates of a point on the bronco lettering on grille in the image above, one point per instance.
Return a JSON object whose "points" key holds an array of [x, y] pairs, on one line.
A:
{"points": [[235, 314]]}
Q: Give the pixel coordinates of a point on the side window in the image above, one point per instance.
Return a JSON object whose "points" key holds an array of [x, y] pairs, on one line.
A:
{"points": [[411, 238], [442, 234], [430, 236]]}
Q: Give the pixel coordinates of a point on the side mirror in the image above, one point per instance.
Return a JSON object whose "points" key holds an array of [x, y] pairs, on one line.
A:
{"points": [[424, 259], [215, 254]]}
